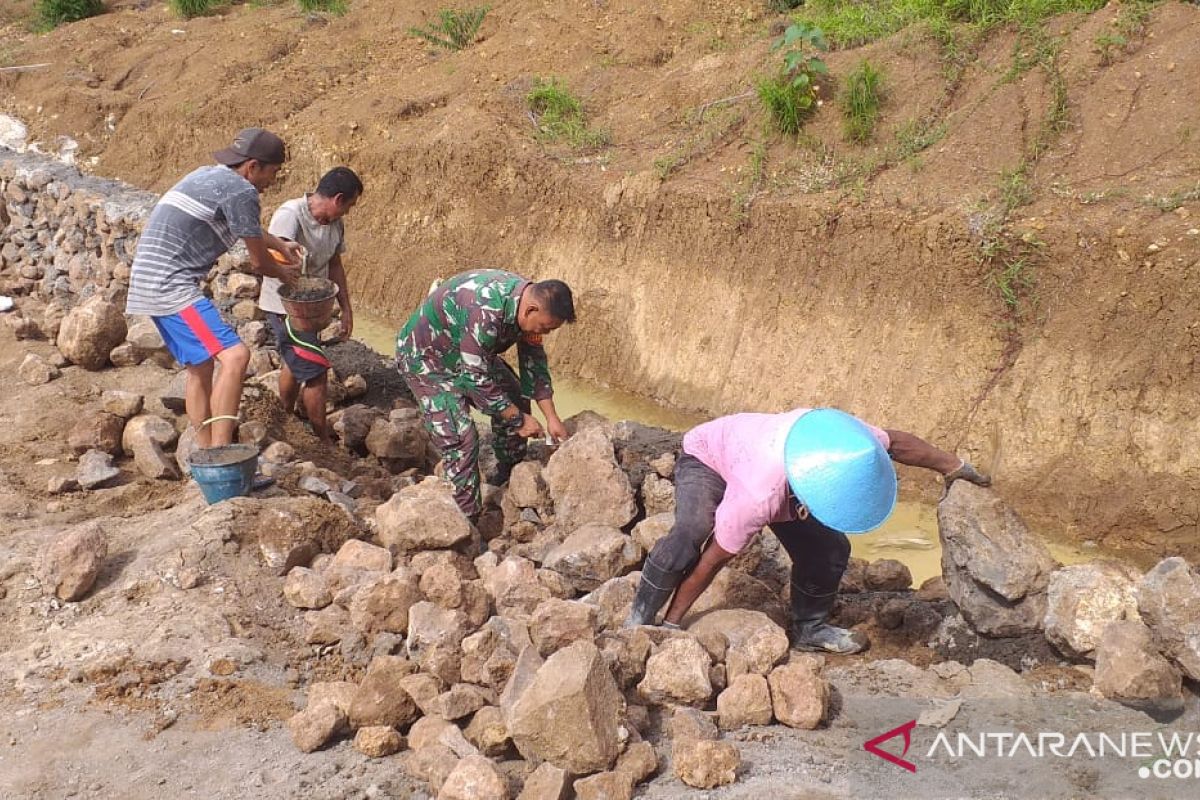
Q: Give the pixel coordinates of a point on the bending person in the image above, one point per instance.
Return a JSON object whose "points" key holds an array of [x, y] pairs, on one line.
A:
{"points": [[449, 355], [812, 476]]}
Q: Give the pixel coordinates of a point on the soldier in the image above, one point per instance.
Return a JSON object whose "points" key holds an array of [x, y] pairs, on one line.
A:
{"points": [[449, 355]]}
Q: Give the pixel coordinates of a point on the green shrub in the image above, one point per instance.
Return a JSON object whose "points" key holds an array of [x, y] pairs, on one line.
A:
{"points": [[193, 8], [790, 96], [861, 100], [52, 13], [559, 116], [337, 7], [454, 29]]}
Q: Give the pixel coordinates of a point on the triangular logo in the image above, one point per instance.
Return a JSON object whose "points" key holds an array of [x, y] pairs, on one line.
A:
{"points": [[904, 730]]}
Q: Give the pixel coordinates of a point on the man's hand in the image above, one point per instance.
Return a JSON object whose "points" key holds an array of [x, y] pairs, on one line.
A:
{"points": [[346, 326], [556, 429], [294, 251], [965, 472], [530, 427]]}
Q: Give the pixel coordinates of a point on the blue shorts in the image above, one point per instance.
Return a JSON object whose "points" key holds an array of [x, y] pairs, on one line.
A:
{"points": [[197, 333], [301, 351]]}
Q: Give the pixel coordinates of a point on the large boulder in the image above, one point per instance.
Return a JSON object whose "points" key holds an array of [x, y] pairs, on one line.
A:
{"points": [[1130, 670], [996, 571], [1082, 600], [568, 712], [70, 566], [422, 517], [526, 486], [1168, 599], [586, 483], [90, 331], [381, 698], [592, 555], [557, 623], [146, 428], [404, 441]]}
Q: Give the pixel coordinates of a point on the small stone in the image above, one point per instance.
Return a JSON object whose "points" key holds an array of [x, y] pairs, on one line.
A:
{"points": [[488, 732], [98, 431], [547, 782], [377, 741], [312, 728], [122, 404], [677, 673], [279, 452], [705, 764], [304, 588], [252, 432], [799, 696], [474, 778], [605, 786], [35, 371], [691, 723], [639, 762], [357, 554], [356, 386], [71, 565], [95, 469], [888, 575], [746, 701]]}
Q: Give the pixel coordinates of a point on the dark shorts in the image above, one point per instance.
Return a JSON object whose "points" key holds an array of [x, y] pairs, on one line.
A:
{"points": [[196, 334], [301, 351]]}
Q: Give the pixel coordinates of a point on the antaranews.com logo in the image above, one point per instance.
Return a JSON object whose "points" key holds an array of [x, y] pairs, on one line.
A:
{"points": [[1160, 754]]}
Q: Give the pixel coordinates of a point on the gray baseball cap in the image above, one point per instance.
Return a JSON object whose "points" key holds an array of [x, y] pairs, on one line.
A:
{"points": [[252, 143]]}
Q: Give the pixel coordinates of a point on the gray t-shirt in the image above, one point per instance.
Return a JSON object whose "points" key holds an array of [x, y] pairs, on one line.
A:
{"points": [[191, 226], [294, 221]]}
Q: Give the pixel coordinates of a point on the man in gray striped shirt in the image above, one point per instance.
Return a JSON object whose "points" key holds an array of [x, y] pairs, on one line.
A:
{"points": [[191, 226]]}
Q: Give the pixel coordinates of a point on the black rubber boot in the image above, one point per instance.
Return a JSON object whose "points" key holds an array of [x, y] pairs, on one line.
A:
{"points": [[653, 592], [810, 631]]}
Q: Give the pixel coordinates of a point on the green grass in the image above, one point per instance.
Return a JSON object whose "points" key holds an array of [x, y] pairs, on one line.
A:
{"points": [[1174, 200], [1128, 26], [861, 101], [455, 29], [52, 13], [784, 104], [850, 23], [915, 135], [559, 115], [335, 7], [193, 8]]}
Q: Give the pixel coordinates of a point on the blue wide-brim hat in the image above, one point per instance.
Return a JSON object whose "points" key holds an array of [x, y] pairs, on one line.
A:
{"points": [[840, 471]]}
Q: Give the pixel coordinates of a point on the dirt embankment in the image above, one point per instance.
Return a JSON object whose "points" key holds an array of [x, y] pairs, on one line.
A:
{"points": [[722, 269]]}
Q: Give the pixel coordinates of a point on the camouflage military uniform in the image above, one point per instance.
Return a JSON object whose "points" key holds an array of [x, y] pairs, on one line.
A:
{"points": [[449, 355]]}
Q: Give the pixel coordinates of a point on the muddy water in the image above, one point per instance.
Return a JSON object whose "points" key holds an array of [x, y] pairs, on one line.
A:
{"points": [[910, 535]]}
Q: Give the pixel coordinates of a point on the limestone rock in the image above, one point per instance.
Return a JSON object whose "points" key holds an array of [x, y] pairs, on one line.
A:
{"points": [[490, 654], [658, 495], [381, 699], [691, 723], [647, 532], [799, 696], [459, 701], [558, 623], [526, 486], [313, 727], [488, 731], [151, 461], [434, 639], [888, 575], [90, 331], [71, 565], [97, 431], [1082, 600], [1130, 670], [678, 672], [422, 517], [95, 469], [592, 555], [442, 584], [605, 786], [305, 588], [354, 424], [385, 603], [1169, 601], [279, 453], [705, 764], [586, 483], [568, 713], [746, 701], [121, 403], [339, 693], [126, 355], [513, 585], [432, 763], [35, 371], [755, 643], [626, 652], [145, 429], [996, 571], [639, 762], [357, 554], [547, 782], [400, 441], [613, 600], [474, 778], [377, 741]]}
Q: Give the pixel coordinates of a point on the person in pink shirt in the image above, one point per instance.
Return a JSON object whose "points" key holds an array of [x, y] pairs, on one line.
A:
{"points": [[812, 476]]}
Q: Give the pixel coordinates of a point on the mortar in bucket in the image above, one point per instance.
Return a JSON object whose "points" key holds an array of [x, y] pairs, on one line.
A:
{"points": [[224, 472], [308, 301]]}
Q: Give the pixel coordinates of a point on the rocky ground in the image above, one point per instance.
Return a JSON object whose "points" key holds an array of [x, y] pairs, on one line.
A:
{"points": [[348, 633]]}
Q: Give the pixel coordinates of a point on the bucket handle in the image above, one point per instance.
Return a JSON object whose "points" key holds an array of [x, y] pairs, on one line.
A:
{"points": [[211, 420]]}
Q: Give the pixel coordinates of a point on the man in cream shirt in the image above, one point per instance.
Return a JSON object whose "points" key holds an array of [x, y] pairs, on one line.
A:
{"points": [[315, 222]]}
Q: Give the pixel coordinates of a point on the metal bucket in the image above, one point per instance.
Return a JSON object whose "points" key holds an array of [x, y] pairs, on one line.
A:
{"points": [[224, 472]]}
